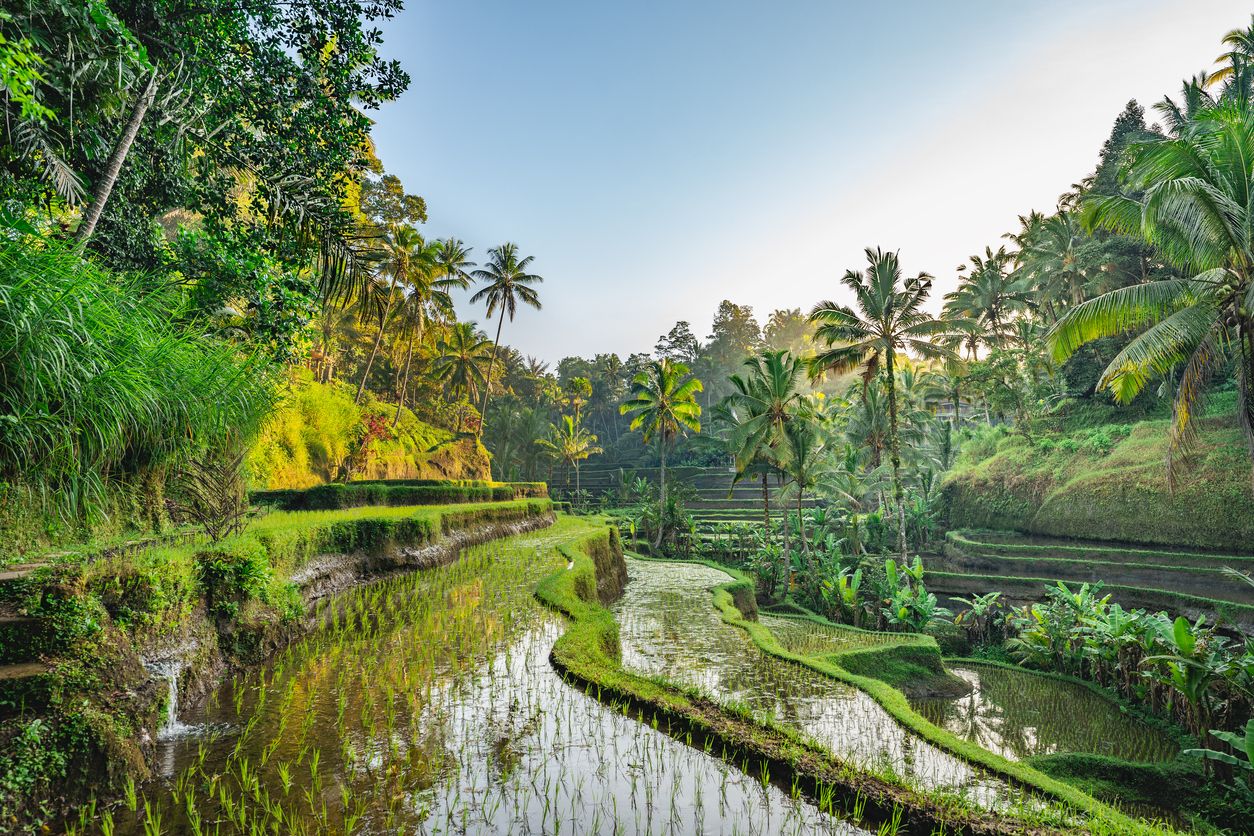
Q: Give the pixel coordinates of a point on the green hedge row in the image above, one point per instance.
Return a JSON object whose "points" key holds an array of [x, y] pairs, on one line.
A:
{"points": [[400, 492]]}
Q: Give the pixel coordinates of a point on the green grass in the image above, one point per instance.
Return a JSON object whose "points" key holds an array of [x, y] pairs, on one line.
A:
{"points": [[587, 653], [399, 492], [1224, 612], [897, 705], [1108, 483], [310, 433]]}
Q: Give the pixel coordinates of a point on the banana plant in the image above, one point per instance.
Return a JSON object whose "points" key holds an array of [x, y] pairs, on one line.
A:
{"points": [[1242, 761]]}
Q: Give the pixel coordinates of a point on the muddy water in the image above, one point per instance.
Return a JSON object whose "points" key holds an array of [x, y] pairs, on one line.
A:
{"points": [[427, 704], [1019, 714], [669, 627]]}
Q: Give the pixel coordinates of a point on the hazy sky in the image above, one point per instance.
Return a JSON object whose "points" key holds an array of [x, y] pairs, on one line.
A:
{"points": [[657, 157]]}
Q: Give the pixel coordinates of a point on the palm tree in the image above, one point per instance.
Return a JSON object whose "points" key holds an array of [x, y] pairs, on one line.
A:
{"points": [[570, 442], [406, 255], [454, 261], [761, 405], [1194, 207], [508, 283], [987, 295], [663, 398], [427, 296], [889, 318], [1048, 260], [804, 458], [462, 357]]}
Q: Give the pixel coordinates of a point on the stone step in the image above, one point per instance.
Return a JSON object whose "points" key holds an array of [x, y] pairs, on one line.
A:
{"points": [[20, 571], [23, 685], [21, 637]]}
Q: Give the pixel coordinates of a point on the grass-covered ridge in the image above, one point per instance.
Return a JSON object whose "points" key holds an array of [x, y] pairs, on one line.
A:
{"points": [[1108, 483], [78, 725], [398, 492], [316, 424], [587, 653]]}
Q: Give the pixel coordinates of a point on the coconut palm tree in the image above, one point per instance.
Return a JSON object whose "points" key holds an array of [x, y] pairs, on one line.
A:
{"points": [[1048, 260], [508, 283], [463, 356], [987, 295], [454, 261], [406, 256], [1194, 207], [570, 442], [426, 297], [889, 319], [763, 402], [663, 400]]}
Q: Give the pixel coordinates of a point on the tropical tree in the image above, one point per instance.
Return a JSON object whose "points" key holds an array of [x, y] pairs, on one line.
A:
{"points": [[663, 401], [1048, 260], [889, 319], [763, 402], [1194, 207], [406, 256], [571, 442], [463, 358], [426, 297], [987, 295], [507, 283]]}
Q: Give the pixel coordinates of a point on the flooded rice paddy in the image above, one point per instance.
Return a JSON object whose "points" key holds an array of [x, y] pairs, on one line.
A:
{"points": [[1018, 714], [427, 704], [669, 628]]}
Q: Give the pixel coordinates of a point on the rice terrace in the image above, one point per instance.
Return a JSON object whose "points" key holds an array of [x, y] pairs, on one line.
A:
{"points": [[702, 418]]}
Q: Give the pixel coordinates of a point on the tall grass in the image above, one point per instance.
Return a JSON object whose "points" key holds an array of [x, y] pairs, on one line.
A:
{"points": [[102, 376]]}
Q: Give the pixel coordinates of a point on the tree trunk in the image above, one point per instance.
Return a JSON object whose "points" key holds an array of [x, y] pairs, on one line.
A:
{"points": [[104, 186], [374, 352], [895, 455], [409, 357], [661, 508], [487, 384], [766, 510], [801, 522]]}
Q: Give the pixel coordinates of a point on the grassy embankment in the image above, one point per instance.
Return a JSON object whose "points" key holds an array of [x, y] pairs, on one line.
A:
{"points": [[311, 433], [587, 653], [1108, 481], [79, 716]]}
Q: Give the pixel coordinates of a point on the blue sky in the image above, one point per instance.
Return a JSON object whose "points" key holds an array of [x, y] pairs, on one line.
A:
{"points": [[658, 157]]}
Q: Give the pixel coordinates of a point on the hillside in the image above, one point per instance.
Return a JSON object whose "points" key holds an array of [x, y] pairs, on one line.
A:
{"points": [[1108, 482], [311, 432]]}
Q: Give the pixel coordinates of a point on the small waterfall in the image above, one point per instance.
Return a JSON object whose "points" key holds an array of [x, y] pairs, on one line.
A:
{"points": [[170, 670]]}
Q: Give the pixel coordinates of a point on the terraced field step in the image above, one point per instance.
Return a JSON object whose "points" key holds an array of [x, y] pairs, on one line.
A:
{"points": [[1180, 582], [1011, 544], [1191, 580]]}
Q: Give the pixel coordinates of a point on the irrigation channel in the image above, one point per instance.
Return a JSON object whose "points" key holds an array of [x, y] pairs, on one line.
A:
{"points": [[426, 703]]}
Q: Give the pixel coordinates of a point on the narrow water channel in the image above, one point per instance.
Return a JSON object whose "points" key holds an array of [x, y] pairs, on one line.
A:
{"points": [[427, 704]]}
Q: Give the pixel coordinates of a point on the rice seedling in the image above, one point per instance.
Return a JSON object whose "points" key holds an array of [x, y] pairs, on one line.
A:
{"points": [[427, 702]]}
